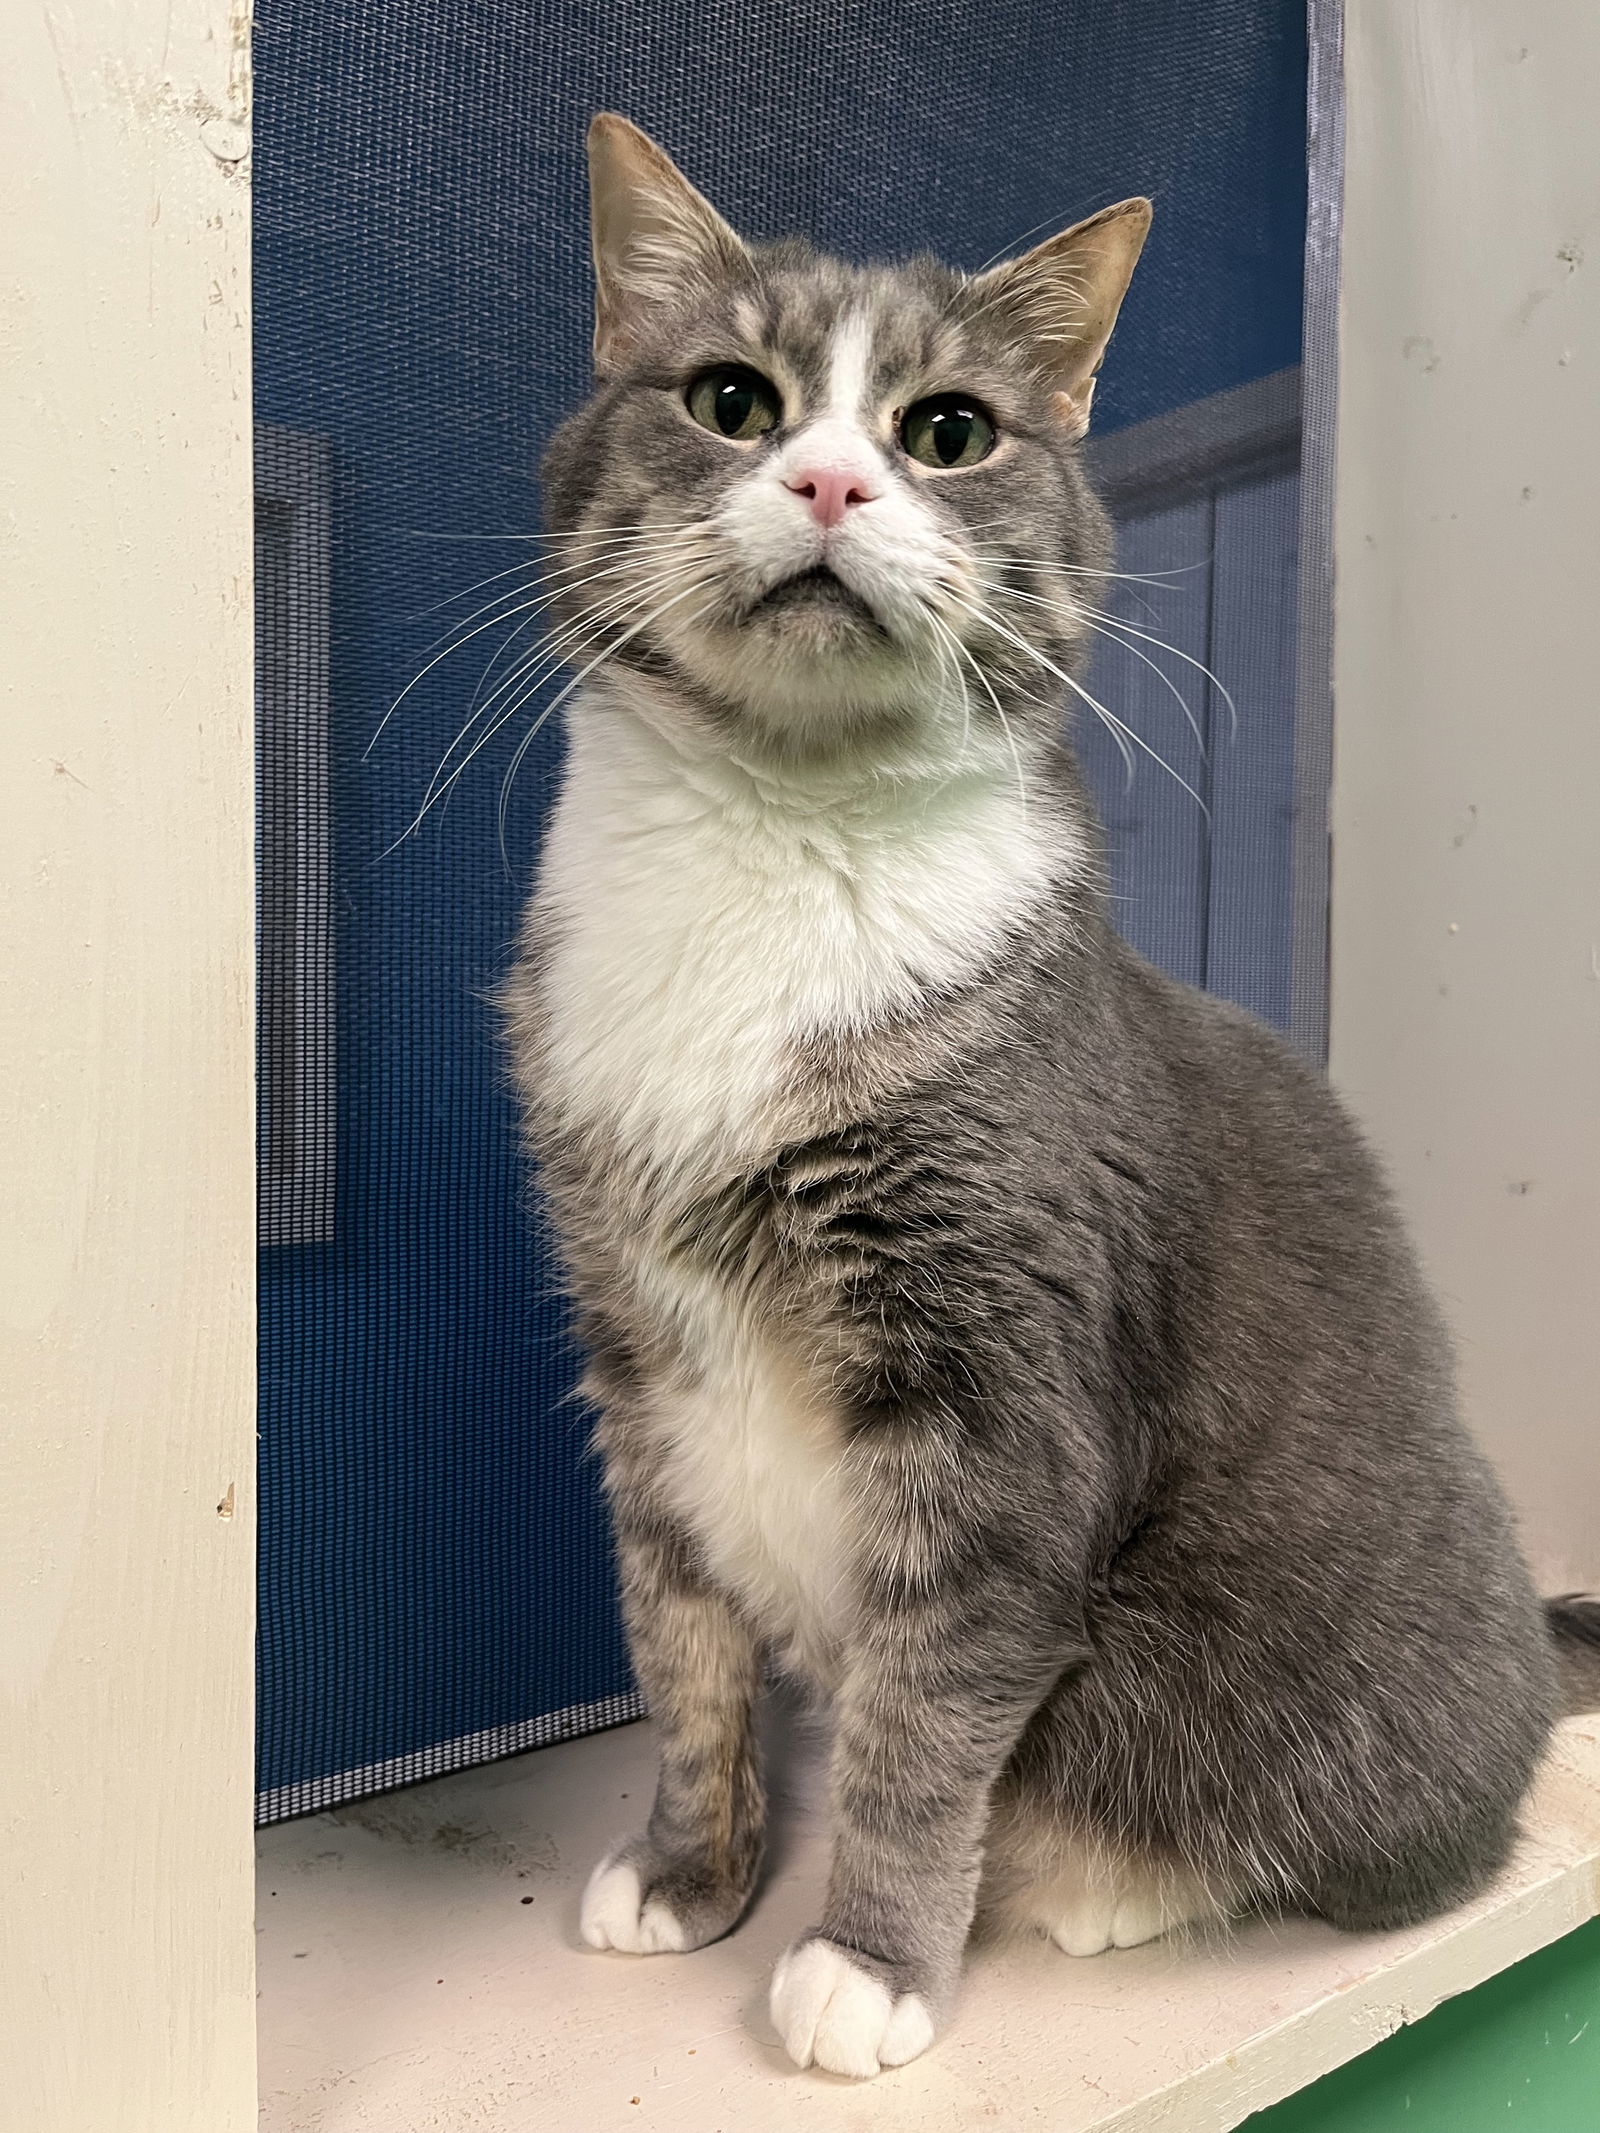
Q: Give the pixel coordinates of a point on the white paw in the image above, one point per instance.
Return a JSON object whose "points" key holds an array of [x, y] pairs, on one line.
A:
{"points": [[1145, 1914], [831, 2014], [614, 1917], [1125, 1915], [1084, 1928]]}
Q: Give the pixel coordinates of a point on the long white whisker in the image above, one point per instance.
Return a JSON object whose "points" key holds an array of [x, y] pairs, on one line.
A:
{"points": [[530, 669], [439, 789], [456, 644], [1005, 723], [1116, 622], [1113, 724], [993, 622], [966, 697], [534, 667], [635, 588], [945, 638], [581, 533], [570, 578], [1165, 680], [602, 548], [609, 652], [1156, 578], [555, 704], [464, 636], [1010, 592]]}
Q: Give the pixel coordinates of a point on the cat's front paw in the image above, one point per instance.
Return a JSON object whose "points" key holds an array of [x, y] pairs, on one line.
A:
{"points": [[832, 2011], [618, 1914], [638, 1904]]}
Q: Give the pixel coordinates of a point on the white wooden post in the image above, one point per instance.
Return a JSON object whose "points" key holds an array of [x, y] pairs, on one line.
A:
{"points": [[126, 1139]]}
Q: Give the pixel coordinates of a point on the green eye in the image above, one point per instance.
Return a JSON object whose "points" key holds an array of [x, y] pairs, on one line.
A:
{"points": [[734, 402], [947, 431]]}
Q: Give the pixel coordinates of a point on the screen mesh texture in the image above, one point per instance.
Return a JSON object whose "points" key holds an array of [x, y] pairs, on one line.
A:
{"points": [[436, 1585]]}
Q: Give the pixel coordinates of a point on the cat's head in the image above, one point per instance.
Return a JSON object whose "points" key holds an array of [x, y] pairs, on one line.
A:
{"points": [[820, 502]]}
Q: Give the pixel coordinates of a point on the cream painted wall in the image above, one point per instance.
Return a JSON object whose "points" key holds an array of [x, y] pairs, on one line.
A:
{"points": [[126, 1137], [1465, 1013]]}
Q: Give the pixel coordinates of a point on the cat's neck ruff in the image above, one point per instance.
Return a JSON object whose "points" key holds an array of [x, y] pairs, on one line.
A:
{"points": [[707, 916]]}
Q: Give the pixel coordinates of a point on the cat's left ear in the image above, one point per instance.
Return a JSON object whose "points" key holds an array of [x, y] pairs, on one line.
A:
{"points": [[1064, 297], [653, 234]]}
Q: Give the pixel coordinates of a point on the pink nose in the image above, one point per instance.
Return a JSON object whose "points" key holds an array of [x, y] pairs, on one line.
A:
{"points": [[830, 491]]}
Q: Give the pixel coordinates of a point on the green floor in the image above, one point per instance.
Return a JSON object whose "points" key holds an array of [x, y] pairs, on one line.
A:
{"points": [[1523, 2051]]}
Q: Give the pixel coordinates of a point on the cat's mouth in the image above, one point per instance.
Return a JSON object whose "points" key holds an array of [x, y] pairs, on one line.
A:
{"points": [[818, 591]]}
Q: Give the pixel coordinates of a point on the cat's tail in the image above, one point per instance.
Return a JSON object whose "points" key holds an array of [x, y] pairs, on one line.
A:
{"points": [[1574, 1621]]}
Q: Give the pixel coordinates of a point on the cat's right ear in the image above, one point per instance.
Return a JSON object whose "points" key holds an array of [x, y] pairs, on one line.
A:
{"points": [[652, 234]]}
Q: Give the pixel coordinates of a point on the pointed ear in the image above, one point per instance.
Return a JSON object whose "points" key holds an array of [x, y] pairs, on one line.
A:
{"points": [[1064, 296], [652, 233]]}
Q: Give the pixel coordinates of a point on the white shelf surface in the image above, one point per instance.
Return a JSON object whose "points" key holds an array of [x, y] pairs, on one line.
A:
{"points": [[420, 1972]]}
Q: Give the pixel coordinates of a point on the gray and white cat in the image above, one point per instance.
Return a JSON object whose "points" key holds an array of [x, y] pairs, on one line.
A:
{"points": [[1017, 1344]]}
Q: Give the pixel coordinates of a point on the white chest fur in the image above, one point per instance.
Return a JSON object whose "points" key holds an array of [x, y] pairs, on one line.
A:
{"points": [[705, 918], [701, 921]]}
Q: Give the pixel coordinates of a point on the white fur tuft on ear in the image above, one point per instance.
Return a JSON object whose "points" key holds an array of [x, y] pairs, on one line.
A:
{"points": [[651, 232], [1064, 296]]}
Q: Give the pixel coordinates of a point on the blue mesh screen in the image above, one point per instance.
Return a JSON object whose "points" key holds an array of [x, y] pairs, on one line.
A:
{"points": [[435, 1582]]}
